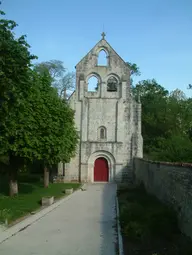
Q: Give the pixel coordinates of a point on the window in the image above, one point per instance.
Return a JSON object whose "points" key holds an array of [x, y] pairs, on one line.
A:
{"points": [[102, 58], [102, 133], [112, 84], [92, 84]]}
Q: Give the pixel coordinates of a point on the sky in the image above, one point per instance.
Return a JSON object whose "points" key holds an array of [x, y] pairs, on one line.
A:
{"points": [[154, 34]]}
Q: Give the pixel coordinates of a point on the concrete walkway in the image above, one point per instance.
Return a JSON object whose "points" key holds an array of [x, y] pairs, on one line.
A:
{"points": [[81, 225]]}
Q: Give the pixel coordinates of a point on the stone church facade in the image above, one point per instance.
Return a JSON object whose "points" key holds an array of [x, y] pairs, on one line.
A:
{"points": [[108, 120]]}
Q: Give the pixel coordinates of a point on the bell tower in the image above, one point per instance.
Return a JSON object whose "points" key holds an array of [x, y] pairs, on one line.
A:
{"points": [[107, 117]]}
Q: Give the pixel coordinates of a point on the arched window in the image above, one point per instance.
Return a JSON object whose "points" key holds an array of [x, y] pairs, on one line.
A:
{"points": [[102, 58], [93, 84], [112, 84], [102, 133]]}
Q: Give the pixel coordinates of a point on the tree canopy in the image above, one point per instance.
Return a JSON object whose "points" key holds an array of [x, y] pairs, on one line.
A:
{"points": [[62, 80], [166, 122], [35, 123]]}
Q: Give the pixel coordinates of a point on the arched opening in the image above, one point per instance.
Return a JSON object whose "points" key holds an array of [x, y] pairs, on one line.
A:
{"points": [[102, 58], [112, 84], [110, 160], [93, 83], [102, 133], [101, 170]]}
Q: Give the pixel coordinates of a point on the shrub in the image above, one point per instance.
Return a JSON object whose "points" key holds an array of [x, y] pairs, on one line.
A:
{"points": [[143, 215], [162, 221], [135, 230]]}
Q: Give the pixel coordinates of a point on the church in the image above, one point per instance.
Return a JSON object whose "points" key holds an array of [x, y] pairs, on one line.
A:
{"points": [[107, 118]]}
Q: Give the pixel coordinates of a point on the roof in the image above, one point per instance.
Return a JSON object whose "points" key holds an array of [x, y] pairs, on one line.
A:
{"points": [[95, 46]]}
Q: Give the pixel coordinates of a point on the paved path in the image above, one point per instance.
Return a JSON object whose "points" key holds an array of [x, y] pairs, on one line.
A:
{"points": [[81, 225]]}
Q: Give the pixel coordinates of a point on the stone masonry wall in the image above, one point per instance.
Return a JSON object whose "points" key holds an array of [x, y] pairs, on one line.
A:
{"points": [[171, 183], [115, 112]]}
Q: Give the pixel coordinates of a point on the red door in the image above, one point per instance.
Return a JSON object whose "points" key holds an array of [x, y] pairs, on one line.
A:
{"points": [[101, 170]]}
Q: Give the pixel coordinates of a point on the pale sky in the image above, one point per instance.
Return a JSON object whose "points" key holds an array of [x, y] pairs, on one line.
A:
{"points": [[154, 34]]}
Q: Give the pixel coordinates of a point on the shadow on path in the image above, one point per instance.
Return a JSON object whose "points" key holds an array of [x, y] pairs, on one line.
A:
{"points": [[108, 219]]}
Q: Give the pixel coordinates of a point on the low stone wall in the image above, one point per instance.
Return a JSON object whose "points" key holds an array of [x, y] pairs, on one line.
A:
{"points": [[171, 183], [62, 179]]}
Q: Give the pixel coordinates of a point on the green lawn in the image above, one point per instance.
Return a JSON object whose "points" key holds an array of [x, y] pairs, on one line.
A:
{"points": [[148, 226], [29, 199]]}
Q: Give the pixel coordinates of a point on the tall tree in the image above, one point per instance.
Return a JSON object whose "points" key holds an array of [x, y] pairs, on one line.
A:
{"points": [[66, 85], [166, 122], [62, 80], [56, 135], [134, 71], [153, 98], [15, 62], [35, 123], [134, 68]]}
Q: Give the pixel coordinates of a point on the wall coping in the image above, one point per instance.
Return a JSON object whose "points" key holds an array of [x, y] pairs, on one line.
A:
{"points": [[177, 164]]}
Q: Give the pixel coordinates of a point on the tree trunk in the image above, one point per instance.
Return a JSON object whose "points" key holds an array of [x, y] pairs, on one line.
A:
{"points": [[46, 177], [13, 185], [63, 169], [65, 93]]}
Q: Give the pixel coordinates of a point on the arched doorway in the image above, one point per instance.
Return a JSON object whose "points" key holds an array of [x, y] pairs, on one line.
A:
{"points": [[101, 170]]}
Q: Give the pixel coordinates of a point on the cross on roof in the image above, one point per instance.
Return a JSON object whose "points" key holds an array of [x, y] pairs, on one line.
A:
{"points": [[103, 35]]}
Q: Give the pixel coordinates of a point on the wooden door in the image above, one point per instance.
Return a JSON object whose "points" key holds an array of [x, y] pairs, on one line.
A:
{"points": [[101, 170]]}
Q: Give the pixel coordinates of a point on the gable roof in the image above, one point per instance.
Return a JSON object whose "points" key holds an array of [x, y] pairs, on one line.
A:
{"points": [[96, 46]]}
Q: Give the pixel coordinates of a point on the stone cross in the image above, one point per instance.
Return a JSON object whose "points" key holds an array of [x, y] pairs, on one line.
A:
{"points": [[103, 35]]}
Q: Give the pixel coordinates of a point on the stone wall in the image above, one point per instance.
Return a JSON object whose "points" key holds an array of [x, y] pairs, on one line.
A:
{"points": [[115, 112], [171, 183]]}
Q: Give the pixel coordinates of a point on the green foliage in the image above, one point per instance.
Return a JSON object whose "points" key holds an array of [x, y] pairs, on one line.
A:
{"points": [[174, 148], [15, 77], [29, 200], [62, 81], [149, 226], [35, 123], [166, 122], [56, 134], [134, 71], [5, 215], [53, 67], [143, 216]]}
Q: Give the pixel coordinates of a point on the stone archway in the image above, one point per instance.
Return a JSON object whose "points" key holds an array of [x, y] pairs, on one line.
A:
{"points": [[111, 164]]}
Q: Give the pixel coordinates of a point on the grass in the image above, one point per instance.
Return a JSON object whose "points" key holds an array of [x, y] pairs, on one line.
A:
{"points": [[31, 191], [148, 226]]}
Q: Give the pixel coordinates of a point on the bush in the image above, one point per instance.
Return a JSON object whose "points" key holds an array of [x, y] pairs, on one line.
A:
{"points": [[162, 221], [135, 231], [132, 211], [142, 215]]}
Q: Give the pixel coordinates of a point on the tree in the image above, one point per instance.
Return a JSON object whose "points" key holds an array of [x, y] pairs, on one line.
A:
{"points": [[63, 81], [166, 122], [176, 148], [35, 123], [134, 71], [55, 68], [154, 100], [15, 65], [66, 85], [178, 95], [56, 135]]}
